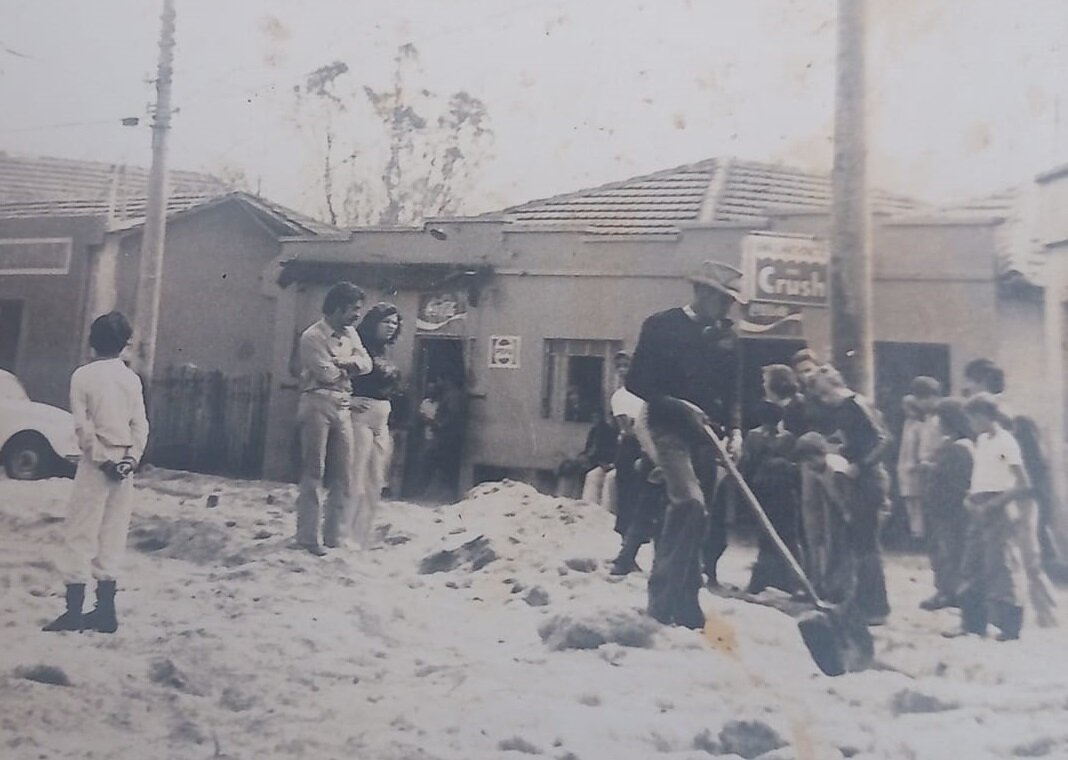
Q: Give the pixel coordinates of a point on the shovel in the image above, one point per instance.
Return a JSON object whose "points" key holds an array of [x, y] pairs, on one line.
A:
{"points": [[838, 640]]}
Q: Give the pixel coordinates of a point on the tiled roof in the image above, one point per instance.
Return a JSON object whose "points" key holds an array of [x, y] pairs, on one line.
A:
{"points": [[33, 178], [126, 210], [714, 190], [131, 213]]}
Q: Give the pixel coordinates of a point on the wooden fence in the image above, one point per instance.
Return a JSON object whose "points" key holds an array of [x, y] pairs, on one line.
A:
{"points": [[204, 421]]}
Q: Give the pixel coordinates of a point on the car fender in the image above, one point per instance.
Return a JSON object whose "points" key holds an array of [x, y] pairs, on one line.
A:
{"points": [[55, 424]]}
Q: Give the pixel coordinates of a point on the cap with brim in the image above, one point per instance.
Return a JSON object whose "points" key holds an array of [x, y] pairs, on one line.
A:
{"points": [[719, 276]]}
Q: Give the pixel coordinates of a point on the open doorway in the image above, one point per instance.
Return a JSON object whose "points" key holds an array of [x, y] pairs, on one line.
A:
{"points": [[896, 364], [10, 330], [439, 421]]}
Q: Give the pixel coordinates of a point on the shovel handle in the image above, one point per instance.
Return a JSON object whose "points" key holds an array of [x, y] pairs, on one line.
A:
{"points": [[762, 517]]}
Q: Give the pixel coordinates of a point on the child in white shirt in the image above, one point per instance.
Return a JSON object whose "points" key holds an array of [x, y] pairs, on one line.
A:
{"points": [[112, 429], [989, 591]]}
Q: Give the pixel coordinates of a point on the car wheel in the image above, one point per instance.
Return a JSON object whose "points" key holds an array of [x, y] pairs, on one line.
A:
{"points": [[27, 456]]}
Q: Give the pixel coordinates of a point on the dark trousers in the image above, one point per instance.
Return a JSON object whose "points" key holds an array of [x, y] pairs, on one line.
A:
{"points": [[945, 525], [689, 474], [770, 569], [628, 482], [990, 566], [870, 590]]}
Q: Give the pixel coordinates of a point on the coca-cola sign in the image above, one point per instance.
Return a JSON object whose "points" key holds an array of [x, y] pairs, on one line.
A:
{"points": [[441, 312]]}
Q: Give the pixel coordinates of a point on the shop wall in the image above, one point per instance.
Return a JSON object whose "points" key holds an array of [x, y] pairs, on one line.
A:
{"points": [[52, 328], [1019, 351], [213, 311], [507, 428]]}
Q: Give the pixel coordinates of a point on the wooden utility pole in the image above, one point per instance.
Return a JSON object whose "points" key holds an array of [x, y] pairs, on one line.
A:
{"points": [[148, 286], [851, 288]]}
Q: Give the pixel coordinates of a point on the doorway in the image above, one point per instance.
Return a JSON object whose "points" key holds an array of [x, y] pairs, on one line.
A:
{"points": [[437, 419], [10, 331], [896, 364]]}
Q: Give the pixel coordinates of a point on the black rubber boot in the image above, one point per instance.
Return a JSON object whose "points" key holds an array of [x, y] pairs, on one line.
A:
{"points": [[1009, 619], [626, 561], [102, 617], [72, 619]]}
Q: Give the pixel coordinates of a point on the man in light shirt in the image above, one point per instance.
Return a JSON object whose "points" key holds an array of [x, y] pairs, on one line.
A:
{"points": [[331, 353]]}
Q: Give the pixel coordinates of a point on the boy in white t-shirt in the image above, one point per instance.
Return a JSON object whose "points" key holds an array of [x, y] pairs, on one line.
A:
{"points": [[109, 418], [989, 593]]}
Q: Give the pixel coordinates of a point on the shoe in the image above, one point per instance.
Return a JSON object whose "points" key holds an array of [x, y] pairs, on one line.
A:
{"points": [[957, 633], [624, 568], [72, 619], [315, 549], [936, 602], [1009, 619], [102, 617], [691, 616]]}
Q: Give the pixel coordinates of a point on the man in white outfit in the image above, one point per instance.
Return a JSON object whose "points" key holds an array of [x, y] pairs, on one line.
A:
{"points": [[108, 406]]}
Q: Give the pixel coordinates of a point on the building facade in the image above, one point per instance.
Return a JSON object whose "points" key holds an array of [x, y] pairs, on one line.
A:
{"points": [[533, 302]]}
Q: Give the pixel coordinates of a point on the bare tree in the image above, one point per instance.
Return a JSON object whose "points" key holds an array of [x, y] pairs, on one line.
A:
{"points": [[433, 145]]}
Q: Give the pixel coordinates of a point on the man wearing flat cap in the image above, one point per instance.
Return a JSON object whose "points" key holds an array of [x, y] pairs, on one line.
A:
{"points": [[688, 354]]}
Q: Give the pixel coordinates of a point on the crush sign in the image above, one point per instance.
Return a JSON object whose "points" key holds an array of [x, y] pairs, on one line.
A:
{"points": [[788, 270]]}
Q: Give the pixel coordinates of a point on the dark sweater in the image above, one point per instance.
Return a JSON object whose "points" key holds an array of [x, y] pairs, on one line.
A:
{"points": [[864, 436], [382, 382], [679, 357]]}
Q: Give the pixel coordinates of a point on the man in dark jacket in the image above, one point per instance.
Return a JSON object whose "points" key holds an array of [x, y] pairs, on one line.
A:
{"points": [[687, 354]]}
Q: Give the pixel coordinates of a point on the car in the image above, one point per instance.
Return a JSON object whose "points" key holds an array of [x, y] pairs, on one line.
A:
{"points": [[36, 440]]}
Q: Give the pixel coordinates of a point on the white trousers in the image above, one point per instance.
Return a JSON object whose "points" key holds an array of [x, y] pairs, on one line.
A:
{"points": [[98, 518], [372, 453]]}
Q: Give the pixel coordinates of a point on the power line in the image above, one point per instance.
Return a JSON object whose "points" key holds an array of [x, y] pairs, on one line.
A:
{"points": [[117, 121]]}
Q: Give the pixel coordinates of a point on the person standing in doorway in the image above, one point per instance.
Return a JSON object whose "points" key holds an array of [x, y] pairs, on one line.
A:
{"points": [[447, 429], [687, 357], [331, 354], [908, 467], [107, 403], [372, 396]]}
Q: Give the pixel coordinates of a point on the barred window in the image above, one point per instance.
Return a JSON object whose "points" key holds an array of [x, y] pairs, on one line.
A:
{"points": [[577, 380]]}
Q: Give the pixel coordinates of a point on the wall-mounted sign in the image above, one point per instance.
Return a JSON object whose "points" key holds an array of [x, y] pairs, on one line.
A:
{"points": [[504, 352], [785, 270], [770, 320], [441, 312]]}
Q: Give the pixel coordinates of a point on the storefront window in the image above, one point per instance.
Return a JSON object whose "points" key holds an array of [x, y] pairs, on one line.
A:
{"points": [[576, 378]]}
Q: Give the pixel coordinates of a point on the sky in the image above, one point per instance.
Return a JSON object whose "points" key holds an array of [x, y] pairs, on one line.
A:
{"points": [[965, 96]]}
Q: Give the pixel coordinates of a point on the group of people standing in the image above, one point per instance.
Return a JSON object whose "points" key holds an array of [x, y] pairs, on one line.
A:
{"points": [[347, 382], [812, 432], [815, 460], [976, 490]]}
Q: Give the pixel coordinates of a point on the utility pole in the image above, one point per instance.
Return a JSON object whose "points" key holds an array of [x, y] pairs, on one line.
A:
{"points": [[148, 286], [851, 286]]}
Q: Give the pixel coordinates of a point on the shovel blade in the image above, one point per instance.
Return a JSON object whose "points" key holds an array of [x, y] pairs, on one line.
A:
{"points": [[839, 642]]}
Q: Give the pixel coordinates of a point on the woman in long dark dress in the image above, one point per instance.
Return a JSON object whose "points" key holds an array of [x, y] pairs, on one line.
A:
{"points": [[767, 465]]}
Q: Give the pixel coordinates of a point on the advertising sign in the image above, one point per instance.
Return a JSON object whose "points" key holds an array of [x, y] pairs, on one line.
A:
{"points": [[785, 270], [504, 352], [441, 312], [770, 320]]}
